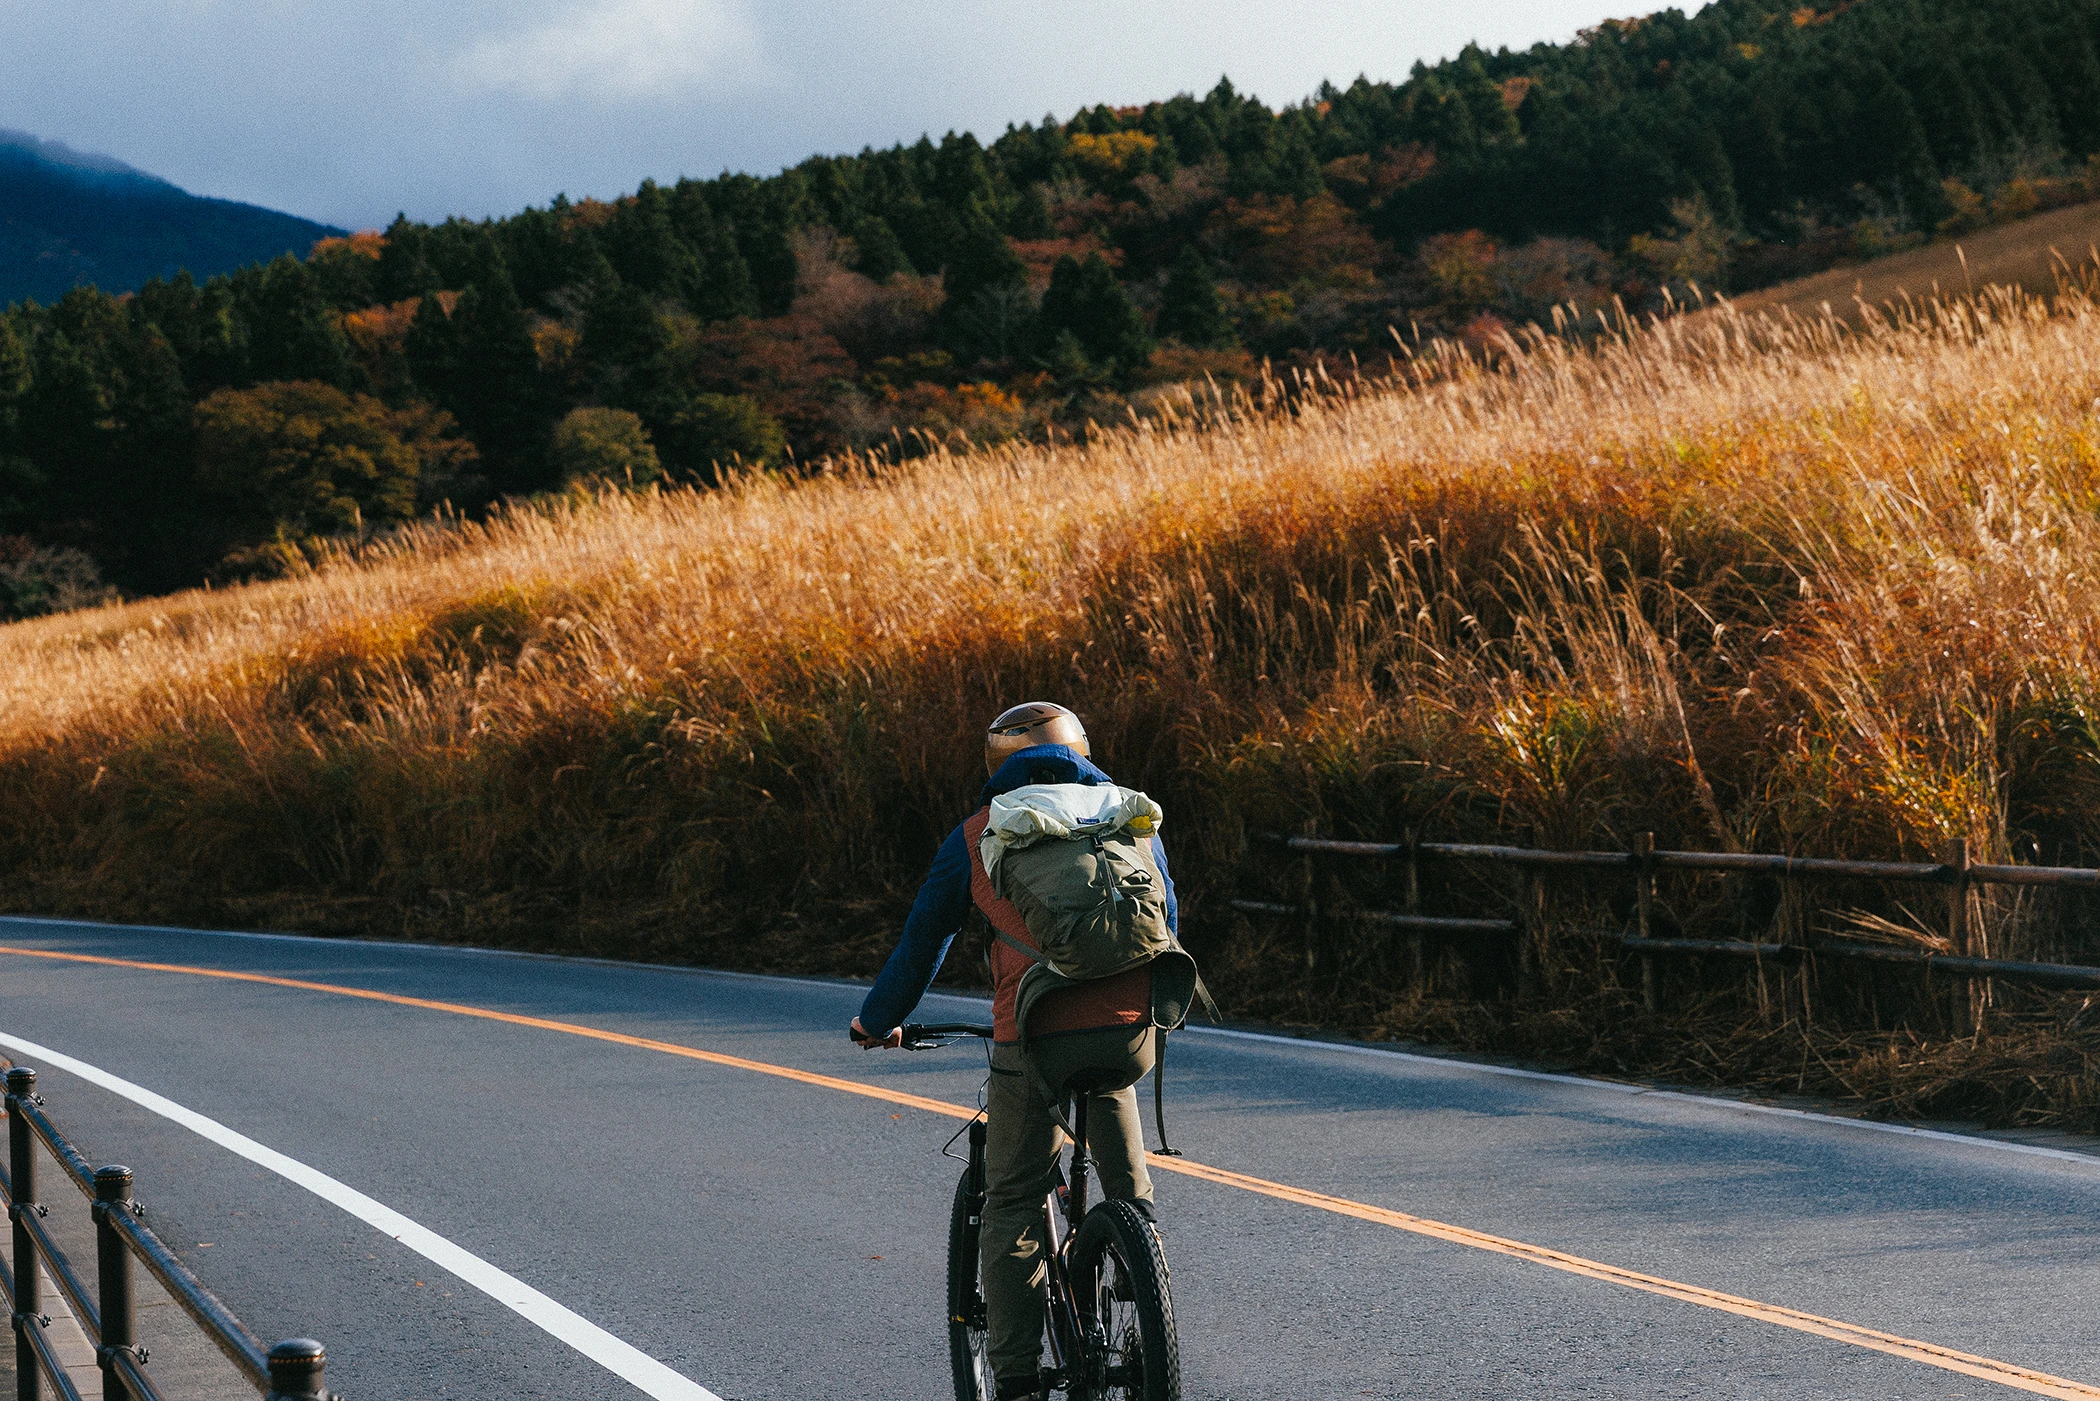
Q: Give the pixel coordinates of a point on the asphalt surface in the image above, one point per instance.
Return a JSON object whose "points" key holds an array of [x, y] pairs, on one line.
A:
{"points": [[777, 1241]]}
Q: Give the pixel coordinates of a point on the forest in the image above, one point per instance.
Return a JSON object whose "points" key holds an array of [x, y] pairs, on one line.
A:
{"points": [[958, 292]]}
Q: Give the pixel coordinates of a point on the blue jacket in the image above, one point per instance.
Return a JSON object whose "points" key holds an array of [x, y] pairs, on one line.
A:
{"points": [[943, 903]]}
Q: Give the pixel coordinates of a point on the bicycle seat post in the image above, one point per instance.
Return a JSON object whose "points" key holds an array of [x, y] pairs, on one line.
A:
{"points": [[1075, 1203]]}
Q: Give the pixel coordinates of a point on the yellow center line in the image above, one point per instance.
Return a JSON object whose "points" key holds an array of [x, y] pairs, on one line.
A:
{"points": [[1931, 1354]]}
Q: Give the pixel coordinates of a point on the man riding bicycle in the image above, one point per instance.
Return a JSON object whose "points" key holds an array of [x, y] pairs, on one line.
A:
{"points": [[1098, 1032]]}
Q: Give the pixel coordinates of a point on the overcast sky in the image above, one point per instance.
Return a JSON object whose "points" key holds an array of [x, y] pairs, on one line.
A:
{"points": [[346, 112]]}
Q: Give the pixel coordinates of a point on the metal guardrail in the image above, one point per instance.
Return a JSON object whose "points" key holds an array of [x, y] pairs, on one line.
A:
{"points": [[1644, 863], [291, 1371]]}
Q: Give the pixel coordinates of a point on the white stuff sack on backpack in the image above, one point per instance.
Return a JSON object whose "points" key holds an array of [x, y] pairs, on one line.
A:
{"points": [[1060, 811]]}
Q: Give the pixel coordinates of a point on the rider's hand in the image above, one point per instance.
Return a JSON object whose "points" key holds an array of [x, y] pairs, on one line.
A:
{"points": [[869, 1043]]}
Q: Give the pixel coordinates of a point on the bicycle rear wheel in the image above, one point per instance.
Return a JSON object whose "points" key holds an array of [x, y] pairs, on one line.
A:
{"points": [[968, 1338], [1118, 1254]]}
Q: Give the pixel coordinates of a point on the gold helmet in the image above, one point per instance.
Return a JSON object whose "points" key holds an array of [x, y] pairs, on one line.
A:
{"points": [[1037, 722]]}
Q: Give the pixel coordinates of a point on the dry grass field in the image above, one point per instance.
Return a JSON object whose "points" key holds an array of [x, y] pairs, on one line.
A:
{"points": [[2032, 254], [1779, 586]]}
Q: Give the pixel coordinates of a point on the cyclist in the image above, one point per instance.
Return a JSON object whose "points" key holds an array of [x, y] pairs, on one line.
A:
{"points": [[1103, 1027]]}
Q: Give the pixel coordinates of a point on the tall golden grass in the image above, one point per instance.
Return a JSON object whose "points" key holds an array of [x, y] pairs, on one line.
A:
{"points": [[1776, 585]]}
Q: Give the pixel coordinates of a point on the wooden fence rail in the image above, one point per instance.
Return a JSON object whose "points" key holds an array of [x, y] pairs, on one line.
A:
{"points": [[1643, 864]]}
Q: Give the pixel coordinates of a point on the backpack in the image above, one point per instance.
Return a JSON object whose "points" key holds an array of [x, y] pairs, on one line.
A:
{"points": [[1076, 861]]}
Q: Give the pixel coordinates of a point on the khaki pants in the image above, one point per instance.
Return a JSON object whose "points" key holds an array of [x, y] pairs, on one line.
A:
{"points": [[1021, 1150]]}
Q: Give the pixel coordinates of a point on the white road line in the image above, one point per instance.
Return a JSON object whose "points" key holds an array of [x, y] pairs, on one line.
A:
{"points": [[1995, 1145], [621, 1359]]}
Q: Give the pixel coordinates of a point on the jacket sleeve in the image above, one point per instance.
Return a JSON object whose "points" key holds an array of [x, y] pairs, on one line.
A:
{"points": [[1159, 857], [936, 917]]}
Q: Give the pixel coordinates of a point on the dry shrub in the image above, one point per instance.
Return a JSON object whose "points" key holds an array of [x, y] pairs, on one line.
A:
{"points": [[1744, 583]]}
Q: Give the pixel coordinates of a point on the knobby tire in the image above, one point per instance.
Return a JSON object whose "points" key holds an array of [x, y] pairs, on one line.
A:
{"points": [[1119, 1253], [967, 1340]]}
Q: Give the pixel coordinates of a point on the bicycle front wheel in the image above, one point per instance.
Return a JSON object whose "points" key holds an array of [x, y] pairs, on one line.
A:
{"points": [[1120, 1265], [969, 1341]]}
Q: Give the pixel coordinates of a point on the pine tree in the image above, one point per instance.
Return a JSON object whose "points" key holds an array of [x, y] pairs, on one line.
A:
{"points": [[432, 350], [1086, 300], [208, 338], [404, 268], [495, 393], [643, 246], [14, 376], [293, 333], [22, 486], [983, 259], [1189, 308], [1031, 214], [722, 287], [878, 254], [151, 539], [987, 291]]}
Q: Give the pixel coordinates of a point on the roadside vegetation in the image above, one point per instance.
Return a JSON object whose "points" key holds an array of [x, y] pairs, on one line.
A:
{"points": [[1776, 585]]}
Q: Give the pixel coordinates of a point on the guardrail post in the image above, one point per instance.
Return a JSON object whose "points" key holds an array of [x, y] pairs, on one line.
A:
{"points": [[1961, 931], [296, 1367], [1643, 899], [29, 1284], [113, 1279]]}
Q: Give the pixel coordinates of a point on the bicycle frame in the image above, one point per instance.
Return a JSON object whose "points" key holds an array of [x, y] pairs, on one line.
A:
{"points": [[1067, 1200], [1075, 1347], [1064, 1207]]}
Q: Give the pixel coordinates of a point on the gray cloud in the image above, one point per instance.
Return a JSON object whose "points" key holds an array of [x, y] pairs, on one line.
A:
{"points": [[349, 112], [615, 51]]}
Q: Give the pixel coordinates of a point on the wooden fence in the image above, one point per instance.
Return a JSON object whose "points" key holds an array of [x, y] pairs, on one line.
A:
{"points": [[1965, 957]]}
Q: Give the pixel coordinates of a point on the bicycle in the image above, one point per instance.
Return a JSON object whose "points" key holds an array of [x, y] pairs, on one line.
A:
{"points": [[1109, 1329]]}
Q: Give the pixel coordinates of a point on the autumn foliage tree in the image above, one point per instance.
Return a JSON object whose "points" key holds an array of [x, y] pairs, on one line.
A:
{"points": [[296, 459]]}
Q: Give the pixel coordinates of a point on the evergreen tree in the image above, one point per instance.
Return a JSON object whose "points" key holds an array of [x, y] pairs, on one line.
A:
{"points": [[494, 388], [987, 302], [432, 350], [1297, 170], [643, 247], [149, 533], [1031, 214], [1086, 300], [22, 486], [293, 333], [404, 269], [1189, 308], [626, 346], [209, 338], [877, 253], [14, 376], [720, 286]]}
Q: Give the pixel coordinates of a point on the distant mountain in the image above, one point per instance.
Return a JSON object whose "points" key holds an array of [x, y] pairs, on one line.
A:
{"points": [[67, 219]]}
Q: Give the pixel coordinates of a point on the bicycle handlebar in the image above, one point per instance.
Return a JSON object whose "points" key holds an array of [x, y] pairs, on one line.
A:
{"points": [[919, 1036]]}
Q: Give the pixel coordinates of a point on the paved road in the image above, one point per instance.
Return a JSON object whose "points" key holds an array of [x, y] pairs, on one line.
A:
{"points": [[776, 1240]]}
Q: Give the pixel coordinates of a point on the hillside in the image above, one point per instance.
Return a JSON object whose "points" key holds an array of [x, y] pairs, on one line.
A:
{"points": [[1754, 586], [2034, 254], [1071, 272], [68, 220]]}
